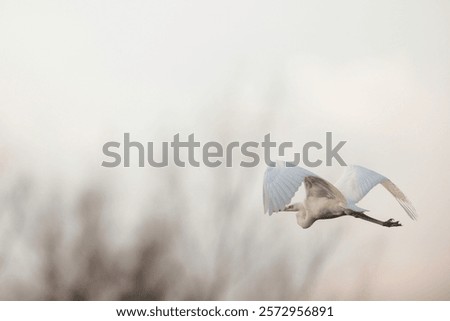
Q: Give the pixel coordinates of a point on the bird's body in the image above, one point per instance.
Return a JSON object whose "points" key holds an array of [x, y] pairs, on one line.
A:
{"points": [[324, 200], [314, 209]]}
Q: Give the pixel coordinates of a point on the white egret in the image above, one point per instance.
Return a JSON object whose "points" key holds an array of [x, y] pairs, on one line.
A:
{"points": [[323, 200]]}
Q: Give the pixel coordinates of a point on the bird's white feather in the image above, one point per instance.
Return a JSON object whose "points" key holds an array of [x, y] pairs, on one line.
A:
{"points": [[281, 182], [401, 198], [357, 181]]}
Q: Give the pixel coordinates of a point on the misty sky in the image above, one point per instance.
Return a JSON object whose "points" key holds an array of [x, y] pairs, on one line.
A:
{"points": [[76, 74]]}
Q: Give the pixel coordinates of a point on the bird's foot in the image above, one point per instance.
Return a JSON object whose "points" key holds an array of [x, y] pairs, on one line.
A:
{"points": [[391, 223]]}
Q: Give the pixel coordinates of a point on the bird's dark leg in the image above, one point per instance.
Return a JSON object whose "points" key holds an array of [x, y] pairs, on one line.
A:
{"points": [[388, 223]]}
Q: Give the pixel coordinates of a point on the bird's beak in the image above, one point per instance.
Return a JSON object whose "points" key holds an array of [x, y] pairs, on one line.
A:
{"points": [[289, 208]]}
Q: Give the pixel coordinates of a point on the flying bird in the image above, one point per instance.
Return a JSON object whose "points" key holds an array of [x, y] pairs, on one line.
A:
{"points": [[323, 199]]}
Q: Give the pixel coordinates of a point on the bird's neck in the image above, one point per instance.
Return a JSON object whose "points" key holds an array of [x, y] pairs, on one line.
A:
{"points": [[303, 219]]}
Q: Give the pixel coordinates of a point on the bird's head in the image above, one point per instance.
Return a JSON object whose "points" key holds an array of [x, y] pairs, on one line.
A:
{"points": [[296, 207]]}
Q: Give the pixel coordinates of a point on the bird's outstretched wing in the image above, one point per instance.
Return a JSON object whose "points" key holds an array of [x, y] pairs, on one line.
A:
{"points": [[318, 188], [281, 182], [357, 181]]}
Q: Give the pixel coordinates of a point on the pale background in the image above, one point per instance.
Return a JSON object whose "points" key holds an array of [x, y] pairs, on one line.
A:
{"points": [[76, 74]]}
